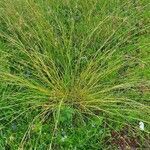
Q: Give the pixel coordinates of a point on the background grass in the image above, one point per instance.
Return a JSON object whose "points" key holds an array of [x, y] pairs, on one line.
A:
{"points": [[74, 74]]}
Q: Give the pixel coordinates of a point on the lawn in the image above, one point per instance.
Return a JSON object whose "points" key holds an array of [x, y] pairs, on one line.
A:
{"points": [[74, 74]]}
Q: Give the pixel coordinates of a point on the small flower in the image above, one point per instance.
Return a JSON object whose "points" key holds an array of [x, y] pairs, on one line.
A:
{"points": [[141, 125]]}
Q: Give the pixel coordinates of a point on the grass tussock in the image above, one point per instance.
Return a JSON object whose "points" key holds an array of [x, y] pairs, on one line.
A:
{"points": [[66, 66]]}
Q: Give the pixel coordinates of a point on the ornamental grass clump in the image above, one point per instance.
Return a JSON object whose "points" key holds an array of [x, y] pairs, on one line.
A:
{"points": [[64, 60]]}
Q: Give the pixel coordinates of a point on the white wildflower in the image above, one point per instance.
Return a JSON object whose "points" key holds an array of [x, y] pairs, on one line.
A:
{"points": [[141, 125]]}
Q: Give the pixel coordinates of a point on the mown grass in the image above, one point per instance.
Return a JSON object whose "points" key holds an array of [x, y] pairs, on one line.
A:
{"points": [[74, 74]]}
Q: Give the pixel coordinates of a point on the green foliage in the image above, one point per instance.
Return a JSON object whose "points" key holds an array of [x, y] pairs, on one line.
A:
{"points": [[74, 73]]}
